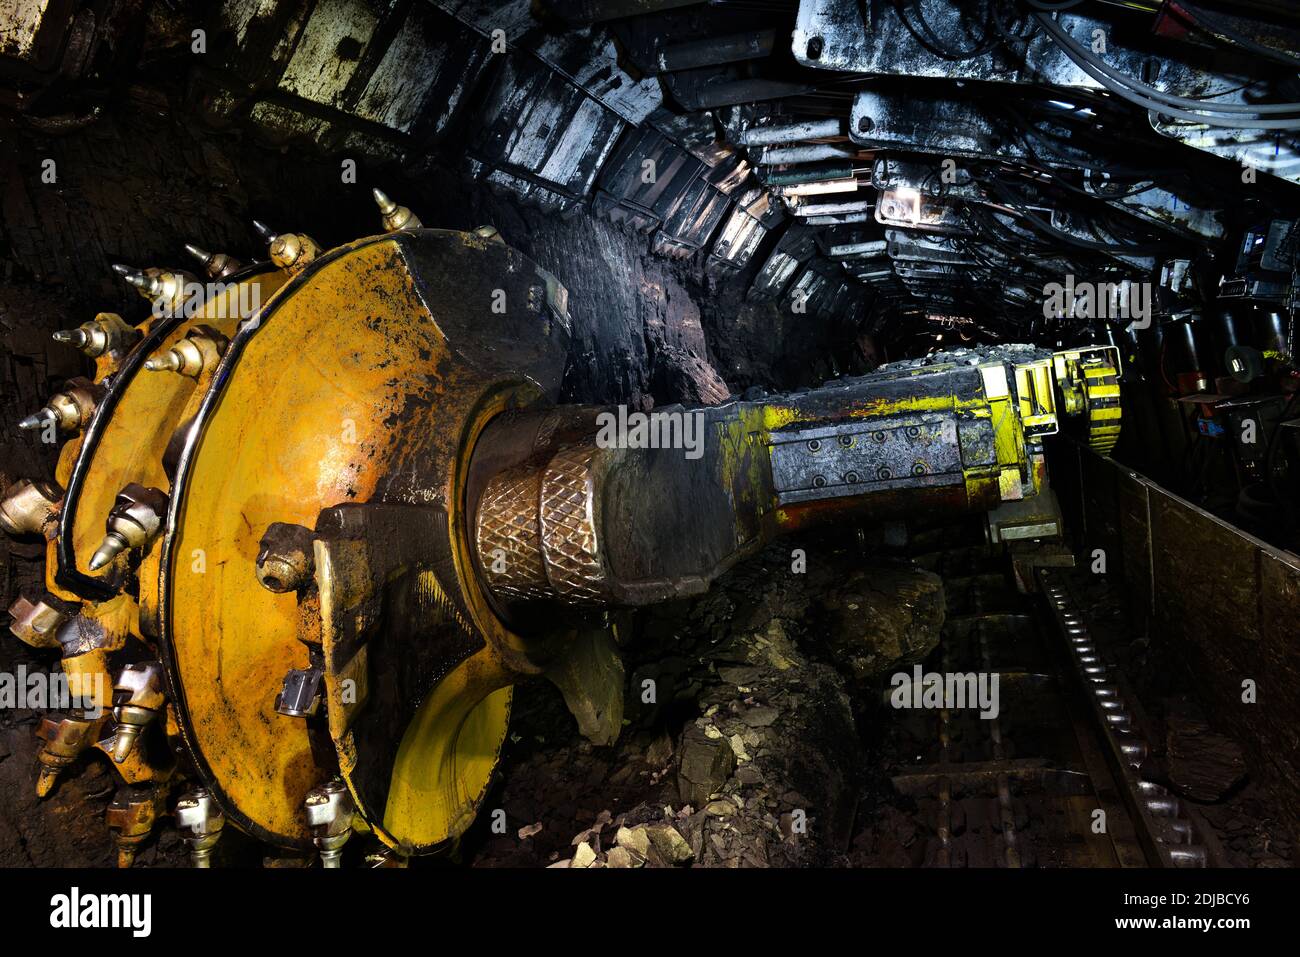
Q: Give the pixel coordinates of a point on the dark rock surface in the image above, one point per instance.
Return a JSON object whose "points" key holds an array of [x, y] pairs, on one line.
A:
{"points": [[1204, 765], [879, 618], [749, 751], [647, 329]]}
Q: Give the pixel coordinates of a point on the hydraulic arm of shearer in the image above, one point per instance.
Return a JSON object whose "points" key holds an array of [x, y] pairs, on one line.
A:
{"points": [[316, 516]]}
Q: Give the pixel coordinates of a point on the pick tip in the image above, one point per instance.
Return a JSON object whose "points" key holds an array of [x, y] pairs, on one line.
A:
{"points": [[35, 420], [45, 783]]}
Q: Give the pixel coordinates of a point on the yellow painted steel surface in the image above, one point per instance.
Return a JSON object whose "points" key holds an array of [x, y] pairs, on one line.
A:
{"points": [[350, 390], [445, 761], [1102, 383], [133, 440], [1036, 396], [303, 423], [1089, 378]]}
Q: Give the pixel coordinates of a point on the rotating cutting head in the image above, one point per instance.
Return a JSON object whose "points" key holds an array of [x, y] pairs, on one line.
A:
{"points": [[349, 408]]}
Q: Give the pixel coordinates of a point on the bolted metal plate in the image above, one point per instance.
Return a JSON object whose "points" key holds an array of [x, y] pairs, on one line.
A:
{"points": [[871, 455]]}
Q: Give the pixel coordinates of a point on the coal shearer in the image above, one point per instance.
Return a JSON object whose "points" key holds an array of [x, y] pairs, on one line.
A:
{"points": [[329, 566]]}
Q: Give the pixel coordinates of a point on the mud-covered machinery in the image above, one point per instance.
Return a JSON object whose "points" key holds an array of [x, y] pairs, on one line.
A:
{"points": [[316, 515]]}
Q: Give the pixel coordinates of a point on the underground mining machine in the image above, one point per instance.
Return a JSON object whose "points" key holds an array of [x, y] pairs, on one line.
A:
{"points": [[316, 515]]}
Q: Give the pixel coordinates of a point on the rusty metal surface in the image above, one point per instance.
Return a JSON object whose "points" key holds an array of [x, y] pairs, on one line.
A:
{"points": [[569, 516], [508, 535]]}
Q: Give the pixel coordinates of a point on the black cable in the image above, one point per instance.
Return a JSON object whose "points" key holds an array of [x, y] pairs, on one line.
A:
{"points": [[988, 41], [1233, 120], [1004, 28], [1008, 197], [1022, 200], [1017, 248], [1229, 115], [1023, 129], [1056, 180], [989, 228], [1207, 23], [1011, 38]]}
